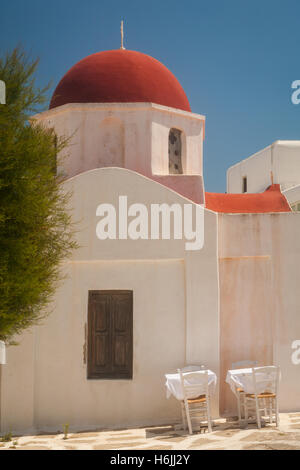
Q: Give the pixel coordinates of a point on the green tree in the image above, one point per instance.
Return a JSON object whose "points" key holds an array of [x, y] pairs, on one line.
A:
{"points": [[36, 231]]}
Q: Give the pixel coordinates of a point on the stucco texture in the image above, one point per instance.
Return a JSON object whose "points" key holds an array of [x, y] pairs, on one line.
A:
{"points": [[170, 329]]}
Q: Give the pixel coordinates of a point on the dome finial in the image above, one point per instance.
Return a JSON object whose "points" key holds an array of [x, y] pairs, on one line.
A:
{"points": [[122, 36]]}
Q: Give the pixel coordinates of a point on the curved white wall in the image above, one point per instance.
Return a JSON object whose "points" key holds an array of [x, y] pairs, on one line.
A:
{"points": [[175, 313]]}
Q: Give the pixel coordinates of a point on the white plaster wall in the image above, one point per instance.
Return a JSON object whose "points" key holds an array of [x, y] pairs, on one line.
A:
{"points": [[286, 162], [144, 140], [256, 168], [101, 135], [105, 186], [159, 315], [286, 255], [202, 304], [62, 392], [192, 141], [111, 139], [282, 158], [18, 384], [259, 298], [174, 295], [292, 194]]}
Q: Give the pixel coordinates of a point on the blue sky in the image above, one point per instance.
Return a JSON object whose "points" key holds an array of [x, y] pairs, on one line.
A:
{"points": [[236, 59]]}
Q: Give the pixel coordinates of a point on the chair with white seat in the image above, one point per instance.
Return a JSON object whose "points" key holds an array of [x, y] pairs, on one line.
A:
{"points": [[197, 408], [265, 396], [239, 391]]}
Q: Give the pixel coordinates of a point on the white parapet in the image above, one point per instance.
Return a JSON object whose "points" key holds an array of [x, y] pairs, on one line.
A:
{"points": [[2, 353]]}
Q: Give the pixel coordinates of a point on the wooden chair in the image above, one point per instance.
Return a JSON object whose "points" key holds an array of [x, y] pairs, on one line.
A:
{"points": [[193, 368], [265, 396], [239, 391], [243, 364], [195, 408]]}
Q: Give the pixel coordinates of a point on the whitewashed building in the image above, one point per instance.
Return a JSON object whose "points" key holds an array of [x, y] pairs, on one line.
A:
{"points": [[279, 163], [131, 310]]}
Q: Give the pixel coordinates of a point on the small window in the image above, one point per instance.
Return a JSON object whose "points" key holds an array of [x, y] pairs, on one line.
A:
{"points": [[175, 152], [244, 184], [110, 334]]}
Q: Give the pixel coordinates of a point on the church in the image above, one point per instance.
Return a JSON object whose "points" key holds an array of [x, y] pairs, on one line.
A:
{"points": [[132, 309]]}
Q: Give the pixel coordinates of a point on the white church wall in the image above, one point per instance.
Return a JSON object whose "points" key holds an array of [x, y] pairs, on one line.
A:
{"points": [[105, 186], [293, 196], [282, 158], [95, 129], [57, 388], [111, 136], [257, 170], [130, 135], [102, 135], [192, 129], [259, 314], [174, 295], [287, 162], [17, 385], [202, 304], [286, 255]]}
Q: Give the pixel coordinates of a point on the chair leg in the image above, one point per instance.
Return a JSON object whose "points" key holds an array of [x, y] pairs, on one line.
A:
{"points": [[238, 397], [242, 404], [257, 414], [246, 412], [187, 411], [277, 412], [271, 410], [208, 414], [183, 417], [265, 407]]}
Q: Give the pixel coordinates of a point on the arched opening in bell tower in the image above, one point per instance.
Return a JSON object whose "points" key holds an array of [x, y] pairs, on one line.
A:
{"points": [[175, 152]]}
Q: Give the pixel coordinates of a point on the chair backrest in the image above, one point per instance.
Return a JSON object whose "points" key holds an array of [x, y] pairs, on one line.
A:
{"points": [[243, 364], [193, 368], [266, 379], [190, 385]]}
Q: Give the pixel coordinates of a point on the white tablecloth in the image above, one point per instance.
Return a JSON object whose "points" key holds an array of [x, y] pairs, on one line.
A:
{"points": [[242, 378], [173, 383]]}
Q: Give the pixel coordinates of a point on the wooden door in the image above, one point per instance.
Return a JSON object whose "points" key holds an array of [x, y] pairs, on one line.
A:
{"points": [[110, 334]]}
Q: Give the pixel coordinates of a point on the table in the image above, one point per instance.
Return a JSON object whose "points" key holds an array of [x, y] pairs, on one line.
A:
{"points": [[242, 378], [174, 388]]}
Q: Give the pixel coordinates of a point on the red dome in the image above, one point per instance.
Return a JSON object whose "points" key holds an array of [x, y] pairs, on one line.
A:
{"points": [[120, 76]]}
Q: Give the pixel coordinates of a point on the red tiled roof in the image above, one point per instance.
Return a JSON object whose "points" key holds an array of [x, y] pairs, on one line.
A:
{"points": [[271, 200]]}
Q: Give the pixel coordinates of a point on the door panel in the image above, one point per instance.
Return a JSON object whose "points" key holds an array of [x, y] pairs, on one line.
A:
{"points": [[110, 343]]}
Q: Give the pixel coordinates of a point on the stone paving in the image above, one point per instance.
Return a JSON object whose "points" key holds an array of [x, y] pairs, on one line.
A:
{"points": [[225, 435]]}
